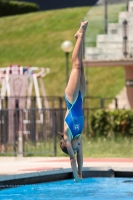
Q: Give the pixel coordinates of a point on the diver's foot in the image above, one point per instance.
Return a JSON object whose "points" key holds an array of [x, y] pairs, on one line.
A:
{"points": [[82, 29]]}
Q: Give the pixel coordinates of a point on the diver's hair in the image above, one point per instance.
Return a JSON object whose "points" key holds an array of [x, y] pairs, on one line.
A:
{"points": [[63, 146], [62, 143]]}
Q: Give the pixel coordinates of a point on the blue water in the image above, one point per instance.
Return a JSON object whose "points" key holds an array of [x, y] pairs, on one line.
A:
{"points": [[88, 189]]}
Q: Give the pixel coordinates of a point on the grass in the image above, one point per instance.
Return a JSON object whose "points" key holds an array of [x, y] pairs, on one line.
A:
{"points": [[108, 148], [35, 39], [120, 147]]}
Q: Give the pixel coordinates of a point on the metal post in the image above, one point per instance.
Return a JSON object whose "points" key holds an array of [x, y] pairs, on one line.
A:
{"points": [[127, 2], [60, 115], [15, 131], [116, 103], [105, 17], [6, 122], [6, 102], [67, 67], [20, 144], [54, 130], [102, 102]]}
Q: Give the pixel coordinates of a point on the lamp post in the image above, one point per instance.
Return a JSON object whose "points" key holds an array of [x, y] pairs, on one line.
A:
{"points": [[105, 16], [67, 47]]}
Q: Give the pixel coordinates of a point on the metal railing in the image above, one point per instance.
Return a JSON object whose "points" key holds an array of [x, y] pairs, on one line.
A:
{"points": [[26, 132]]}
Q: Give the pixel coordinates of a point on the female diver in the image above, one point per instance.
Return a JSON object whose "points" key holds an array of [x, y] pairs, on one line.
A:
{"points": [[71, 142]]}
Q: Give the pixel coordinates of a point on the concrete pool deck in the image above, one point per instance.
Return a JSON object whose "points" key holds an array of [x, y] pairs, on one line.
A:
{"points": [[27, 169]]}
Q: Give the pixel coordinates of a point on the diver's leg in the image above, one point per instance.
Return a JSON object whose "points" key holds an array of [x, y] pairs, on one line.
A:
{"points": [[73, 85], [82, 86]]}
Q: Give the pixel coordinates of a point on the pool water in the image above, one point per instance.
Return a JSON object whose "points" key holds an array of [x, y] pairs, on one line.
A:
{"points": [[88, 189]]}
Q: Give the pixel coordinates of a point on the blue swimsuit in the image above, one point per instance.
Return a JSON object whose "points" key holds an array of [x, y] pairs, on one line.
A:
{"points": [[75, 117]]}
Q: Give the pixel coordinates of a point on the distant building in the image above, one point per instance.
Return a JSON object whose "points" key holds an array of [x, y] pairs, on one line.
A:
{"points": [[57, 4]]}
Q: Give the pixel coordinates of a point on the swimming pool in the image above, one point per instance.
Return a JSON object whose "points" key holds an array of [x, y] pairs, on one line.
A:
{"points": [[88, 189]]}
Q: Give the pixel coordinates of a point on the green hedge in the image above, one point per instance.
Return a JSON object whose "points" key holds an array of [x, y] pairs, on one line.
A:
{"points": [[13, 7], [116, 122]]}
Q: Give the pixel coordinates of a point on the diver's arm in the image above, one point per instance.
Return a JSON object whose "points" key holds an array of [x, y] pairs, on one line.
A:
{"points": [[80, 159], [72, 157]]}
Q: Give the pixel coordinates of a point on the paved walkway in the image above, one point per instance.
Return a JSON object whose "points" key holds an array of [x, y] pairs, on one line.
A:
{"points": [[122, 99], [16, 165]]}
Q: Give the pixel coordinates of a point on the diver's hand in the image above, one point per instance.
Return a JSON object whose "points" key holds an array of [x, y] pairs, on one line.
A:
{"points": [[78, 179]]}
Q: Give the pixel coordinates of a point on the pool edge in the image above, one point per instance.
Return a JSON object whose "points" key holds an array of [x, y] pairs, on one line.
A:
{"points": [[61, 174]]}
